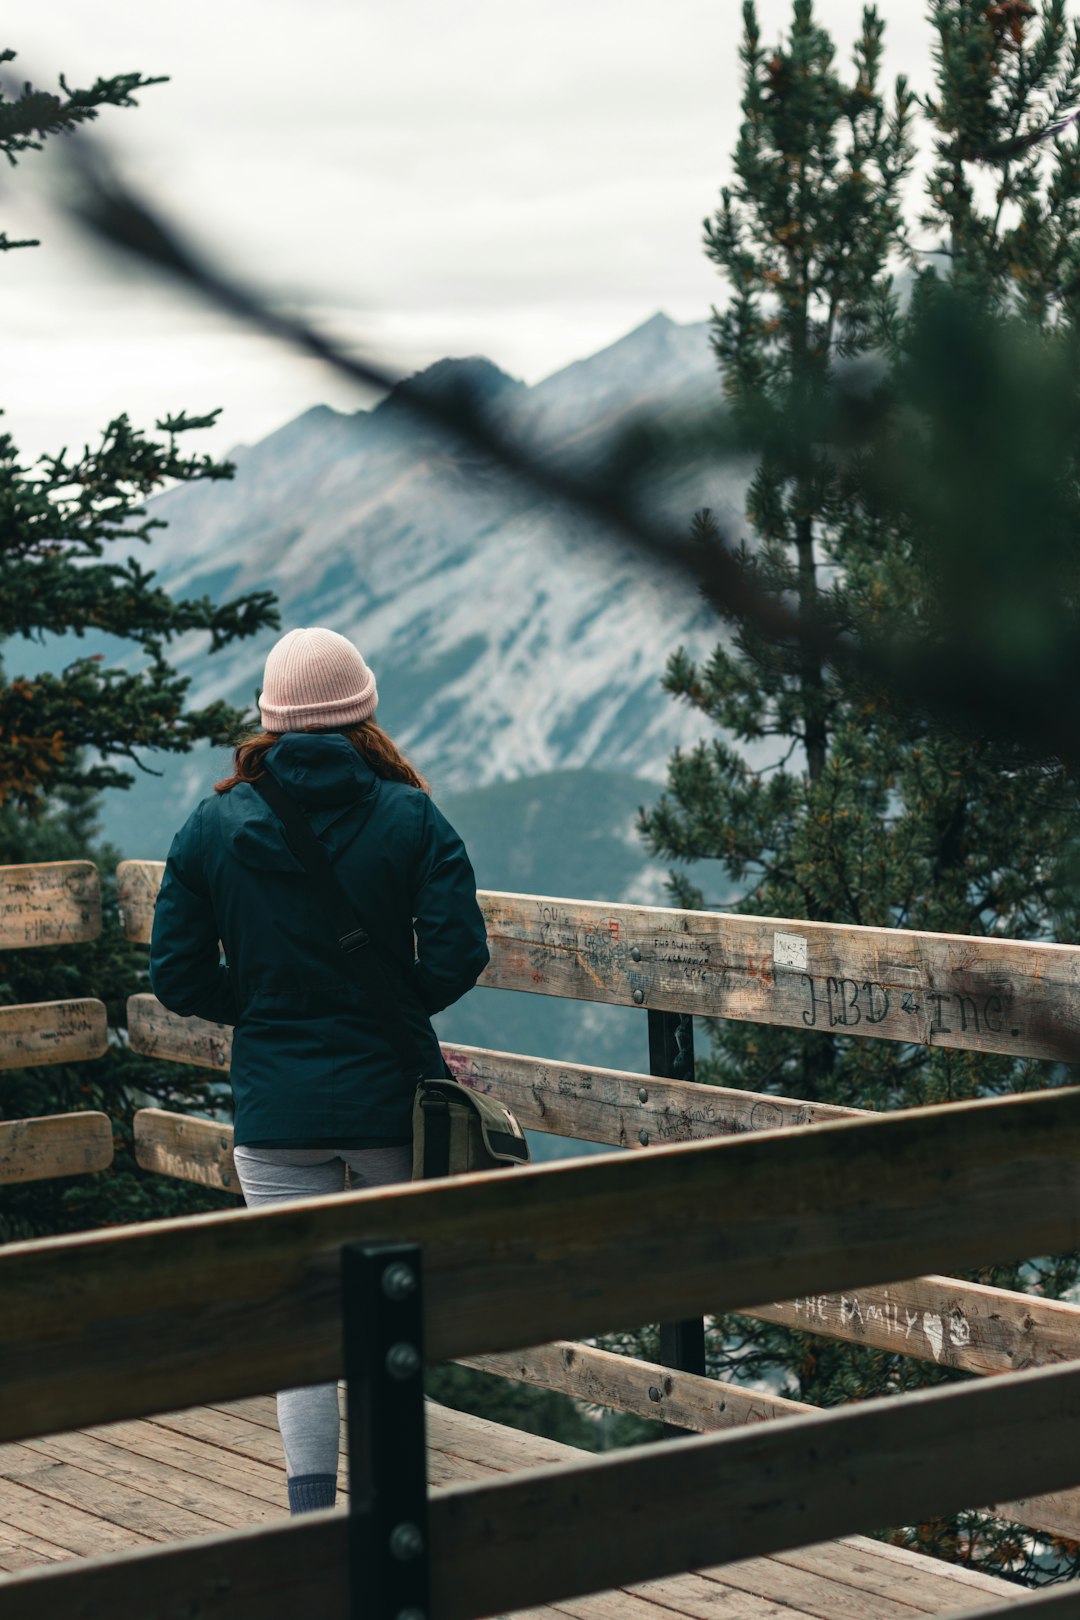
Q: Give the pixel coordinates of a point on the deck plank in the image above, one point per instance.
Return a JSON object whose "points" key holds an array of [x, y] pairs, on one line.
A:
{"points": [[205, 1495], [857, 1579], [703, 1599], [79, 1533], [188, 1474], [866, 1565], [661, 1599], [811, 1593], [262, 1481], [107, 1498], [29, 1549], [974, 1580], [235, 1435], [260, 1409]]}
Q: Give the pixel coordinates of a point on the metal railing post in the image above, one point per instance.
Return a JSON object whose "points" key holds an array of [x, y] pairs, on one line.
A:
{"points": [[671, 1056], [382, 1321]]}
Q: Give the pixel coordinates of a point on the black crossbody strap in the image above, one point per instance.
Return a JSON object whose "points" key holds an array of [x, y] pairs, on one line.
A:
{"points": [[349, 931], [436, 1133]]}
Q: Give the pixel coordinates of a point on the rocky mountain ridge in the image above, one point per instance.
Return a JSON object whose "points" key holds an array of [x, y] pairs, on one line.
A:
{"points": [[507, 637]]}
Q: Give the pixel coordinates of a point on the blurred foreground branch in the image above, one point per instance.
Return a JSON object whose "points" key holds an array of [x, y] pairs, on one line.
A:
{"points": [[978, 431]]}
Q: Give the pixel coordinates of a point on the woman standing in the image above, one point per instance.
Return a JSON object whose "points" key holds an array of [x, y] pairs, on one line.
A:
{"points": [[316, 1085]]}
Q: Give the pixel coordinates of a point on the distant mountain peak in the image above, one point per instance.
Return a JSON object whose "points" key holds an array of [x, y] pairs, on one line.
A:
{"points": [[471, 381], [509, 635], [660, 322]]}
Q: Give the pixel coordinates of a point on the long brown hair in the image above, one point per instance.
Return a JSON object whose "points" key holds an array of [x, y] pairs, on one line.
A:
{"points": [[370, 741]]}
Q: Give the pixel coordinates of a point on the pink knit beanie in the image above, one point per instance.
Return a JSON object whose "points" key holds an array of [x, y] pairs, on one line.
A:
{"points": [[315, 678]]}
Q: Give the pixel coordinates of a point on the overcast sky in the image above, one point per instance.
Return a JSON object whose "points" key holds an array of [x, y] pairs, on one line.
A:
{"points": [[524, 179]]}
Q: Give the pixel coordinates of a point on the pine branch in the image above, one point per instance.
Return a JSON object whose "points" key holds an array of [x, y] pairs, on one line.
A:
{"points": [[28, 116]]}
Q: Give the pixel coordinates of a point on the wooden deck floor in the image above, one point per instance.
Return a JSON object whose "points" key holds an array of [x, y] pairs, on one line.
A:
{"points": [[194, 1473]]}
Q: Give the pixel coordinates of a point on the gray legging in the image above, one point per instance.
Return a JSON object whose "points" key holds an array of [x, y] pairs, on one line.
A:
{"points": [[308, 1418]]}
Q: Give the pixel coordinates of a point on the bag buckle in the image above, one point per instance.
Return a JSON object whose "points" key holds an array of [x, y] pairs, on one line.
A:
{"points": [[354, 941]]}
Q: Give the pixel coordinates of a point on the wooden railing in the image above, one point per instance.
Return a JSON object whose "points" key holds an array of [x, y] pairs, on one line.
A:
{"points": [[973, 993], [809, 1205], [729, 966], [48, 904], [218, 1306]]}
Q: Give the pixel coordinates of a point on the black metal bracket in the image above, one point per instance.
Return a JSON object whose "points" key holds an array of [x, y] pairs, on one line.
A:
{"points": [[671, 1045], [382, 1321], [682, 1346], [671, 1057]]}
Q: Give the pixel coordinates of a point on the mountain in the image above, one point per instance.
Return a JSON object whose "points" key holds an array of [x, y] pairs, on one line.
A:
{"points": [[509, 636], [518, 647]]}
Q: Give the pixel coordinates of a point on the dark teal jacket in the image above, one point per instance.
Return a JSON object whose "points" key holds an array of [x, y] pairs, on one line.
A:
{"points": [[310, 1061]]}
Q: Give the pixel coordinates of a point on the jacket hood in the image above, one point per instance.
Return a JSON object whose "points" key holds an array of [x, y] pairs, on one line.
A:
{"points": [[325, 775]]}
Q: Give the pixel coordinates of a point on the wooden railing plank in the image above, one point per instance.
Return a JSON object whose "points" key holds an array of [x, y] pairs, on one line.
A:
{"points": [[567, 1099], [703, 1502], [941, 1319], [624, 1109], [622, 1518], [55, 1145], [974, 993], [707, 1405], [52, 1032], [194, 1149], [156, 1032], [186, 1147], [49, 903], [966, 1325], [201, 1309], [137, 884], [685, 1400]]}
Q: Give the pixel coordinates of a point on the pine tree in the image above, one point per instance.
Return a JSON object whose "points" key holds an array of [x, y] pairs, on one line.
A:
{"points": [[62, 732], [1006, 203], [57, 521], [875, 812]]}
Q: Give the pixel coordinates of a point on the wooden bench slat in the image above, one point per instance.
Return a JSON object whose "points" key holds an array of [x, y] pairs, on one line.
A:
{"points": [[55, 1145], [621, 1518], [974, 993], [49, 903], [199, 1309], [39, 1032]]}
